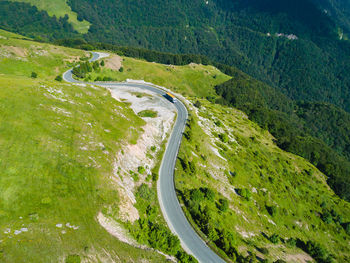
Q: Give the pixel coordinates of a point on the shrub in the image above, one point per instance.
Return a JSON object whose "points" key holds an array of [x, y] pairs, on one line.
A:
{"points": [[121, 69], [197, 195], [209, 194], [145, 192], [264, 250], [274, 238], [197, 104], [292, 242], [102, 63], [327, 217], [141, 170], [224, 137], [154, 177], [347, 228], [223, 205], [272, 210], [185, 258], [34, 75], [245, 193], [58, 78]]}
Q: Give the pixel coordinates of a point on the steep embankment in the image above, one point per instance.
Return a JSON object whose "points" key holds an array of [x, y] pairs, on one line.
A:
{"points": [[57, 149], [251, 199]]}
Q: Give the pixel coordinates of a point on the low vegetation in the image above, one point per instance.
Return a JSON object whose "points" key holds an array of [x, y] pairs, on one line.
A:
{"points": [[25, 58], [243, 193], [58, 143], [148, 114], [191, 80]]}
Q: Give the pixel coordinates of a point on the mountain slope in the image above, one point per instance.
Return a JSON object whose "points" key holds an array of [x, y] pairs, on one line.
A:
{"points": [[251, 200]]}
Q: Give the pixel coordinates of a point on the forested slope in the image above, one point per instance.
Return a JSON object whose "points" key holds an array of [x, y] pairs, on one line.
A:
{"points": [[307, 62], [317, 131]]}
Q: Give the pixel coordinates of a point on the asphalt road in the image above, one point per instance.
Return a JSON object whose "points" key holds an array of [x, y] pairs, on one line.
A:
{"points": [[169, 203]]}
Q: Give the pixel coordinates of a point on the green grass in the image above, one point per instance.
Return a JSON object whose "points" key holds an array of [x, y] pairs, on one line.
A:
{"points": [[190, 80], [57, 148], [147, 114], [19, 57], [262, 184], [59, 8]]}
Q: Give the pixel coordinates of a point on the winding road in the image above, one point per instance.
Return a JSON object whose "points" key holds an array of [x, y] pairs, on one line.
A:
{"points": [[170, 206]]}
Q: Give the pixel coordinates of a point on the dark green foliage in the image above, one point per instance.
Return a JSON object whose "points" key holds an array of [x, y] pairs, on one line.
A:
{"points": [[141, 170], [197, 195], [197, 104], [327, 217], [347, 228], [292, 242], [264, 250], [121, 69], [209, 194], [58, 78], [312, 67], [223, 204], [319, 253], [102, 63], [272, 210], [224, 137], [274, 238], [245, 193], [82, 70], [157, 236], [185, 258], [34, 75], [26, 19]]}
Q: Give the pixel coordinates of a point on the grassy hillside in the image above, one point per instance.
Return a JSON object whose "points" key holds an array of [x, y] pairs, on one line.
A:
{"points": [[190, 80], [251, 199], [58, 144], [21, 57], [59, 8]]}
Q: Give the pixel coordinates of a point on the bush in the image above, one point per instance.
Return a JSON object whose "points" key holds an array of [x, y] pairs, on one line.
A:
{"points": [[197, 195], [272, 210], [292, 242], [58, 78], [34, 75], [223, 205], [264, 250], [346, 227], [327, 217], [102, 63], [209, 194], [185, 258], [146, 193], [274, 238], [121, 69], [197, 104], [141, 170], [245, 193], [224, 137]]}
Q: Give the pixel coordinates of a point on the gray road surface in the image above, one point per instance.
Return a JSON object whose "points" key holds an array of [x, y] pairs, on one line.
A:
{"points": [[169, 203]]}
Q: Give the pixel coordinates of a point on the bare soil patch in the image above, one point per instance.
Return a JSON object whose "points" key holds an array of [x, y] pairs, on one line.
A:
{"points": [[114, 62]]}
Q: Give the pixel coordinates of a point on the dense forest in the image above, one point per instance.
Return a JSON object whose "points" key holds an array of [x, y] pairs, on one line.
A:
{"points": [[294, 46], [291, 45], [26, 19]]}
